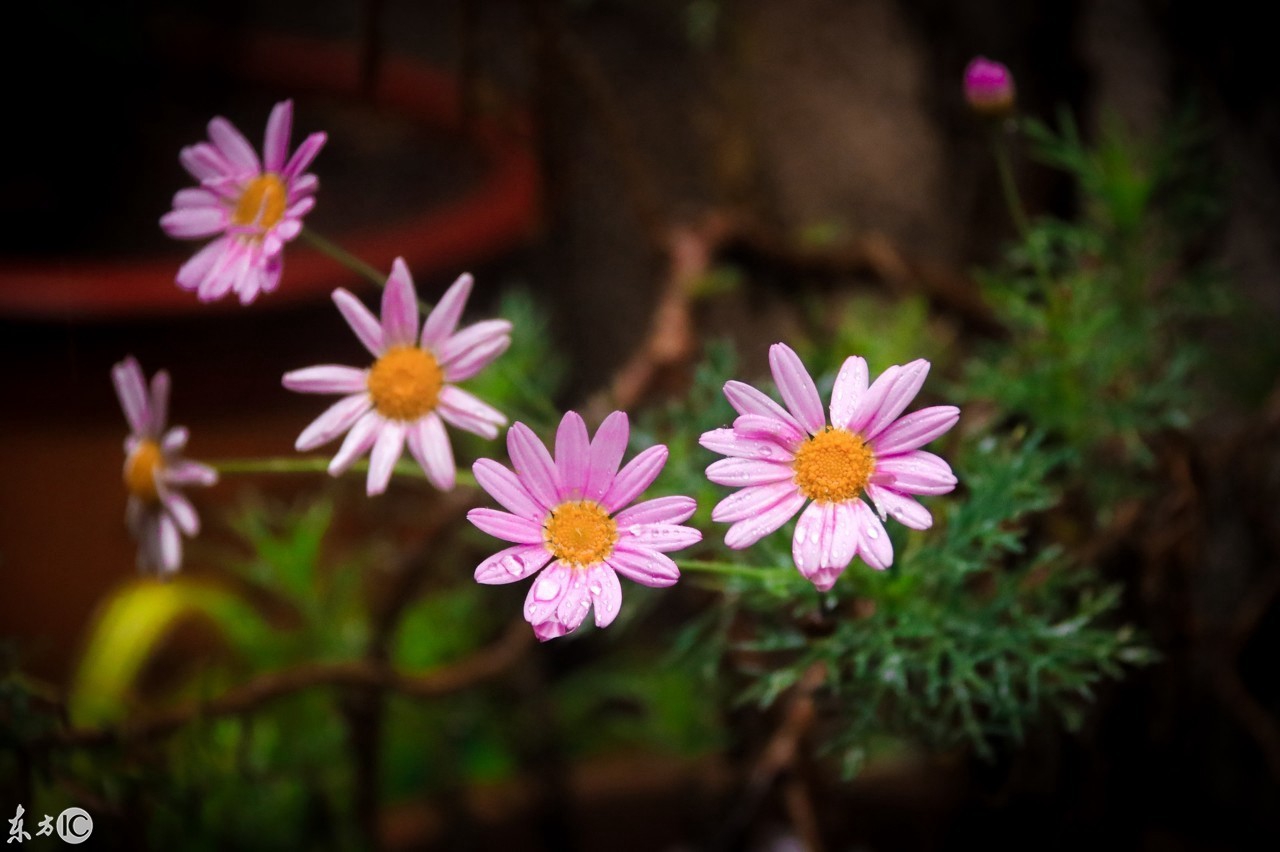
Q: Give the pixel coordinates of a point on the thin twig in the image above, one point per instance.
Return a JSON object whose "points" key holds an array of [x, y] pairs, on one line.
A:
{"points": [[253, 694]]}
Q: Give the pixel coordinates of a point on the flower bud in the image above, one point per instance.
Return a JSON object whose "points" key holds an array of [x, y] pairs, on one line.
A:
{"points": [[988, 87]]}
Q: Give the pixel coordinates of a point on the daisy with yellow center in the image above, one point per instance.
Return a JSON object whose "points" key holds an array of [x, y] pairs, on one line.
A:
{"points": [[255, 205], [570, 512], [780, 458], [408, 393], [154, 471]]}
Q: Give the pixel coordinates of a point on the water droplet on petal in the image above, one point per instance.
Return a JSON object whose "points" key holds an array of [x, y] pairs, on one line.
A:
{"points": [[873, 533], [595, 590], [546, 589]]}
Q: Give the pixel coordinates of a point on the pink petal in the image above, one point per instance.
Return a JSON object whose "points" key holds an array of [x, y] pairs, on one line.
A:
{"points": [[505, 487], [327, 378], [386, 452], [223, 274], [193, 273], [337, 419], [430, 446], [574, 605], [159, 400], [300, 208], [399, 307], [203, 161], [751, 502], [573, 449], [747, 400], [231, 143], [463, 411], [467, 365], [194, 197], [514, 563], [797, 387], [916, 429], [186, 473], [850, 385], [194, 222], [897, 397], [644, 566], [545, 594], [738, 473], [361, 437], [729, 443], [607, 448], [873, 542], [507, 526], [303, 186], [757, 428], [533, 465], [181, 510], [304, 155], [131, 389], [459, 350], [361, 320], [634, 478], [275, 147], [663, 538], [824, 544], [900, 507], [917, 472], [174, 440], [168, 544], [606, 593], [660, 510], [750, 530], [444, 317]]}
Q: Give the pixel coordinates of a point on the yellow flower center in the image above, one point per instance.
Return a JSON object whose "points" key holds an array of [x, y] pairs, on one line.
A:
{"points": [[580, 532], [262, 202], [833, 466], [141, 469], [405, 383]]}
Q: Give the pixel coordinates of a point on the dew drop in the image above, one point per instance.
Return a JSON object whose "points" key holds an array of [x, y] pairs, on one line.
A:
{"points": [[873, 533], [595, 590], [546, 589]]}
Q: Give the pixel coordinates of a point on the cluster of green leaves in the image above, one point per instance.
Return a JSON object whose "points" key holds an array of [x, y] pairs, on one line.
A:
{"points": [[1100, 309]]}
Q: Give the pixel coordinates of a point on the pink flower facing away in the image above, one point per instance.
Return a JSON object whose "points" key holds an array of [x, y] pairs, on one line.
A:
{"points": [[988, 87], [571, 512], [408, 394], [783, 457], [254, 206], [154, 471]]}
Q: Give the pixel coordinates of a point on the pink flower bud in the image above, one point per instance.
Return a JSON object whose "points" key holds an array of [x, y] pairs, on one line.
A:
{"points": [[988, 87]]}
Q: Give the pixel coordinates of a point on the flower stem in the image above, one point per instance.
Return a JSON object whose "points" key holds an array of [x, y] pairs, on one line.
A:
{"points": [[730, 568], [344, 257], [320, 464], [1009, 186]]}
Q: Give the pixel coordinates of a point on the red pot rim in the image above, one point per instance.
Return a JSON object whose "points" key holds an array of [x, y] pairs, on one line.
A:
{"points": [[496, 214]]}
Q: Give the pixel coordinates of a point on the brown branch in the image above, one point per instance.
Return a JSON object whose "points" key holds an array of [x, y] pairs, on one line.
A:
{"points": [[248, 697]]}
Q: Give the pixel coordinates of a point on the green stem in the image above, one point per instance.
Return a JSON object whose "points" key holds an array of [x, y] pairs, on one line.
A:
{"points": [[1009, 186], [320, 464], [346, 258], [729, 568]]}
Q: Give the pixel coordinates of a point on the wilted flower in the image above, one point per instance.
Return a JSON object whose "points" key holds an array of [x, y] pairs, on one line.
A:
{"points": [[988, 87], [255, 205], [154, 470], [407, 395], [568, 510], [781, 458]]}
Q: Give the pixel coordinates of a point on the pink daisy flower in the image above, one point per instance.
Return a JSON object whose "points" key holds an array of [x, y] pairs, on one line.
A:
{"points": [[782, 457], [570, 512], [255, 205], [408, 394], [154, 470]]}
